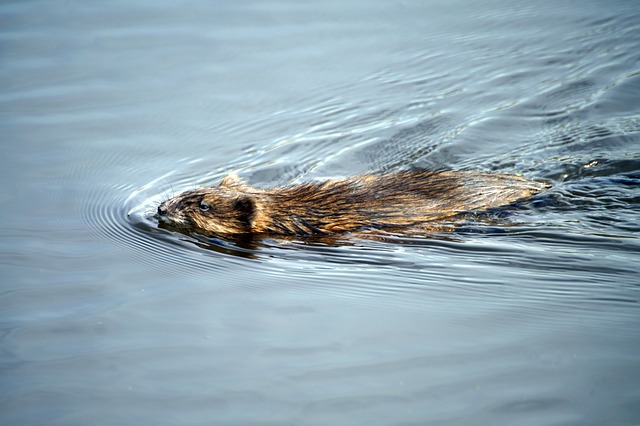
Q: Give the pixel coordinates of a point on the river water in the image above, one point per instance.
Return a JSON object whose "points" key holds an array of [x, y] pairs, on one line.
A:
{"points": [[108, 108]]}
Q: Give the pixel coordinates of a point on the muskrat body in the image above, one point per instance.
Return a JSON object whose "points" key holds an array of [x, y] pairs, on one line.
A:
{"points": [[393, 201]]}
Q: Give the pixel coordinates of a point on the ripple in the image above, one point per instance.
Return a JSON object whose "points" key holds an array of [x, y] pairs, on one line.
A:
{"points": [[346, 264], [123, 215]]}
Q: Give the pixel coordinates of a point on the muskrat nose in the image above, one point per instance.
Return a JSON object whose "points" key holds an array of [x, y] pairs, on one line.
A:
{"points": [[162, 210]]}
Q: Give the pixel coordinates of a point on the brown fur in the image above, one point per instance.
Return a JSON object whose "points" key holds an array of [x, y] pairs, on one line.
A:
{"points": [[406, 199]]}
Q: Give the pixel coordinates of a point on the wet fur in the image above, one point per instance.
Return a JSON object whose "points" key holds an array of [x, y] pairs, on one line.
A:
{"points": [[406, 199]]}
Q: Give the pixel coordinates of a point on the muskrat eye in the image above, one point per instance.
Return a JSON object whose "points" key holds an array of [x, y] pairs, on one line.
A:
{"points": [[204, 206]]}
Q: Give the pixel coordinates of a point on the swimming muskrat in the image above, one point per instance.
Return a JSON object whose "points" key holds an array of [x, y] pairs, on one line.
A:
{"points": [[392, 201]]}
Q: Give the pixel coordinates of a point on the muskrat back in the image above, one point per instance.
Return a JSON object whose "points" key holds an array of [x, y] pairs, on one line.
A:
{"points": [[405, 199]]}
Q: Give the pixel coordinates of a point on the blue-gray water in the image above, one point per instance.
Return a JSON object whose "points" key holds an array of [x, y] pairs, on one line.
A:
{"points": [[107, 108]]}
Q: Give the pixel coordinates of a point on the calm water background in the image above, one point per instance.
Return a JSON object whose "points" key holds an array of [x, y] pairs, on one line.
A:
{"points": [[107, 108]]}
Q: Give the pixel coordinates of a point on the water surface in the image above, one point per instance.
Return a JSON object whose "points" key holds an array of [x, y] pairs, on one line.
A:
{"points": [[107, 109]]}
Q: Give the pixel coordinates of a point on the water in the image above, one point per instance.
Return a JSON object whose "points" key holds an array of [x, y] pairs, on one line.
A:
{"points": [[108, 108]]}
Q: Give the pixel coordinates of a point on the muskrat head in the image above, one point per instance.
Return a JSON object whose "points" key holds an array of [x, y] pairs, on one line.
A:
{"points": [[224, 209]]}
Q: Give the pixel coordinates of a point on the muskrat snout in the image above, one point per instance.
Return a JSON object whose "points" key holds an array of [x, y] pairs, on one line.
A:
{"points": [[162, 210]]}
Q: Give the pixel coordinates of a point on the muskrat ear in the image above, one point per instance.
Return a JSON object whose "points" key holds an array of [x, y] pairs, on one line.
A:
{"points": [[245, 207], [232, 179]]}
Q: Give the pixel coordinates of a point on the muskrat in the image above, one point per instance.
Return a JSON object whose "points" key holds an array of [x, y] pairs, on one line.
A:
{"points": [[391, 201]]}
